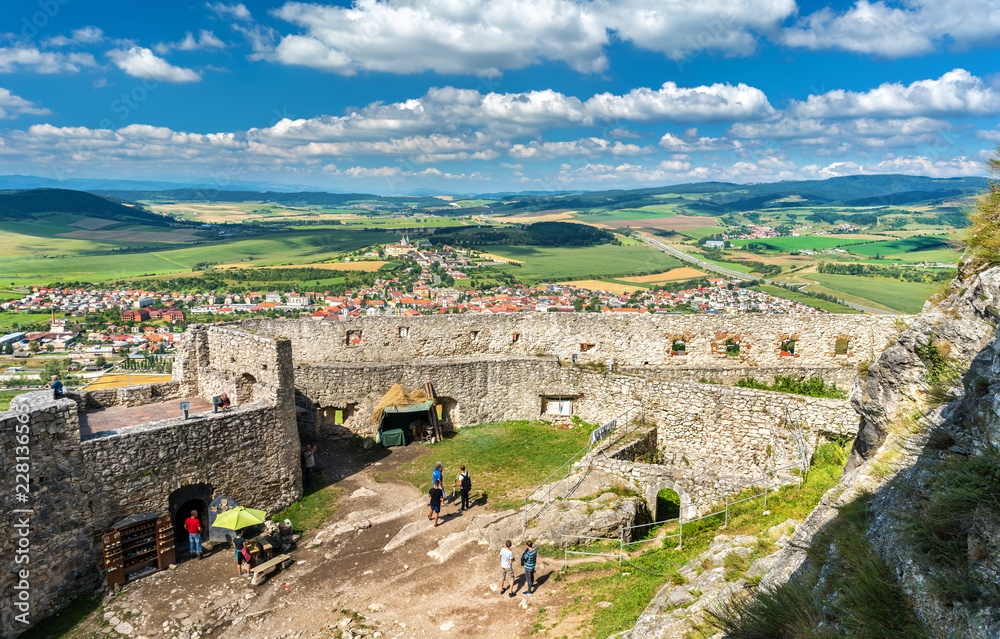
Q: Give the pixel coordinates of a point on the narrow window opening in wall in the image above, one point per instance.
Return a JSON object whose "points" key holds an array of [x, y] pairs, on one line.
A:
{"points": [[354, 338], [515, 337], [473, 336], [788, 347], [679, 347], [840, 348], [557, 406], [585, 347], [403, 331], [263, 367], [232, 360], [732, 347]]}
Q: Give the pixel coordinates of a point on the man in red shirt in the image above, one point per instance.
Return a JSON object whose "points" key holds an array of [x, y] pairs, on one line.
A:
{"points": [[193, 526]]}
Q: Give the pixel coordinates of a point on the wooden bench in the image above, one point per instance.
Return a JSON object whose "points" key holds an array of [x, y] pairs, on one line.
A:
{"points": [[271, 565]]}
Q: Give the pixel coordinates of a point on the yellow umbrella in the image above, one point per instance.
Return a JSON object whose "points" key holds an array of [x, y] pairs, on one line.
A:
{"points": [[240, 517]]}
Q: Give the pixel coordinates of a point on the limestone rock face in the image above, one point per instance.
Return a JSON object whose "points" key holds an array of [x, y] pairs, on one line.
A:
{"points": [[604, 516], [962, 324]]}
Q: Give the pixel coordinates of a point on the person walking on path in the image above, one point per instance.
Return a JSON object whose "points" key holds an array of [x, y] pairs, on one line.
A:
{"points": [[435, 502], [528, 561], [437, 475], [193, 526], [464, 484], [506, 568], [309, 461]]}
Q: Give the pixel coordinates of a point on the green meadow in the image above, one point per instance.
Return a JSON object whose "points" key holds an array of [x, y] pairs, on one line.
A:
{"points": [[544, 263], [905, 297], [274, 248]]}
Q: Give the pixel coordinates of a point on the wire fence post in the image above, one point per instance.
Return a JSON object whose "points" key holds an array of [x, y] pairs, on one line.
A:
{"points": [[680, 529], [726, 525], [621, 546], [765, 489]]}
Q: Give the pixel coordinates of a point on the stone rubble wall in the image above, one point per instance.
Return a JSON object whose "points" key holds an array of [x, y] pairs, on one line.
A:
{"points": [[709, 427], [474, 391], [63, 545], [127, 395], [641, 341], [80, 488]]}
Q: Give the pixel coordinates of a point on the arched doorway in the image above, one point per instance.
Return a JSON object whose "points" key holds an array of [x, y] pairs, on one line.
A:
{"points": [[244, 389], [662, 510], [668, 504], [195, 497]]}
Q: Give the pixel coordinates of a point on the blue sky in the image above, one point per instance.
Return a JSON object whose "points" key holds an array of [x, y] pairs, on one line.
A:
{"points": [[469, 96]]}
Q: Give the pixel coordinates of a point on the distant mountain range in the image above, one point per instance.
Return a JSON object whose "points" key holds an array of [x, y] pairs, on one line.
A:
{"points": [[718, 198]]}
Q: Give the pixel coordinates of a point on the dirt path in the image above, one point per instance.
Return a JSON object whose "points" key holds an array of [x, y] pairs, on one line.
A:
{"points": [[344, 569]]}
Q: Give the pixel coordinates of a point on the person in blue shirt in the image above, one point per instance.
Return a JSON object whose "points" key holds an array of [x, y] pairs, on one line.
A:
{"points": [[528, 559], [57, 388], [437, 475]]}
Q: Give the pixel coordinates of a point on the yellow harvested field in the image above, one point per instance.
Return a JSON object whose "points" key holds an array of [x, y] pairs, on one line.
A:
{"points": [[673, 275], [551, 215], [501, 258], [117, 381], [597, 285], [176, 235], [93, 223], [368, 267]]}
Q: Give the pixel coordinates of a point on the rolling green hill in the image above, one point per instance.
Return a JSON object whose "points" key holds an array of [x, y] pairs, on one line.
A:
{"points": [[21, 206]]}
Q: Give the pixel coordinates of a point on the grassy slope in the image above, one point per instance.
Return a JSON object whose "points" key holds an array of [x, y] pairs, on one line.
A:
{"points": [[506, 460]]}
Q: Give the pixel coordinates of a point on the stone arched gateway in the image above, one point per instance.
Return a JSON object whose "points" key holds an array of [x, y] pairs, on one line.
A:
{"points": [[653, 489]]}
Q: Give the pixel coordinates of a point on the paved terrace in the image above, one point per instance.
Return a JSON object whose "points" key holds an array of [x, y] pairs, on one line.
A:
{"points": [[98, 420]]}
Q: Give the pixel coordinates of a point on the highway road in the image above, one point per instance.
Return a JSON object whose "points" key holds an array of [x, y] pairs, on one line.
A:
{"points": [[708, 266]]}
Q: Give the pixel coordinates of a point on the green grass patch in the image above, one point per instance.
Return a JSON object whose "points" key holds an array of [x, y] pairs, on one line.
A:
{"points": [[906, 297], [319, 501], [907, 245], [963, 497], [815, 242], [812, 387], [506, 459]]}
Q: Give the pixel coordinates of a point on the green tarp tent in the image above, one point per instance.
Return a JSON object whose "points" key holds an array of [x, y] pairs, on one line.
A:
{"points": [[395, 427]]}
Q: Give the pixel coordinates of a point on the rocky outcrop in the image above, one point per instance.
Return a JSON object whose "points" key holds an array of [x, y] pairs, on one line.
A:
{"points": [[930, 399], [958, 328]]}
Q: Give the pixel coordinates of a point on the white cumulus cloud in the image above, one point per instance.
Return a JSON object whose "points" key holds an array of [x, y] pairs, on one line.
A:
{"points": [[28, 58], [140, 62], [956, 93], [230, 11], [892, 30], [83, 35], [12, 106]]}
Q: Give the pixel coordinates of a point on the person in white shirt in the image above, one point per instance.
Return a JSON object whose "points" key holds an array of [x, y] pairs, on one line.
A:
{"points": [[506, 568]]}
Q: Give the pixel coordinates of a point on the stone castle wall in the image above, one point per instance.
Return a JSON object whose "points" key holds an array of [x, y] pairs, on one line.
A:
{"points": [[639, 341], [79, 488]]}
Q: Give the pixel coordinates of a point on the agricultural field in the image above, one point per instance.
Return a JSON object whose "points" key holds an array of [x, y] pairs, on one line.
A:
{"points": [[549, 264], [823, 305], [601, 285], [261, 250], [904, 297], [673, 275]]}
